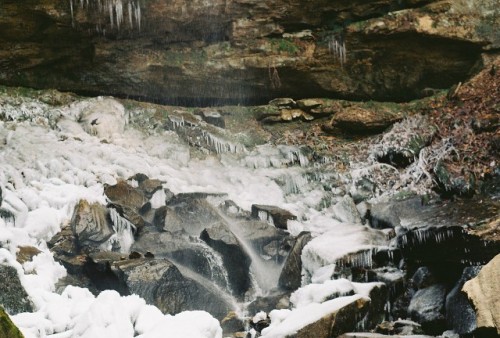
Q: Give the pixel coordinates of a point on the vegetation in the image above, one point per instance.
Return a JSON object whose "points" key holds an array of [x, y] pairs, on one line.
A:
{"points": [[285, 46], [7, 328]]}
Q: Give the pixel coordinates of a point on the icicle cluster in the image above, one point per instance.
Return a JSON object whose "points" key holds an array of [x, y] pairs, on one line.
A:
{"points": [[358, 259], [266, 217], [114, 9], [338, 49], [222, 146], [123, 238], [421, 236]]}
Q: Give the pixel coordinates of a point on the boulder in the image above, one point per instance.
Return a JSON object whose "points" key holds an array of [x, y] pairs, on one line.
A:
{"points": [[13, 297], [346, 212], [484, 293], [236, 261], [291, 274], [310, 104], [26, 253], [383, 216], [363, 190], [192, 253], [7, 328], [195, 212], [336, 323], [439, 232], [362, 120], [276, 300], [212, 117], [427, 308], [176, 292], [283, 102], [232, 323], [159, 282], [460, 314], [91, 225], [150, 186], [423, 278], [125, 195]]}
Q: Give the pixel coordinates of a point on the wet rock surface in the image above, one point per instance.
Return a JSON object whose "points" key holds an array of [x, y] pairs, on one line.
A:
{"points": [[460, 314], [291, 274]]}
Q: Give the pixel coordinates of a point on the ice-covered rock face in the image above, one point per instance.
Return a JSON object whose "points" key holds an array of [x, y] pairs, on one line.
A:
{"points": [[102, 117], [54, 157]]}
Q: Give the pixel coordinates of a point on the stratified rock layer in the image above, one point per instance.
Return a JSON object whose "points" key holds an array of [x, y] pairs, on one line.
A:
{"points": [[245, 51]]}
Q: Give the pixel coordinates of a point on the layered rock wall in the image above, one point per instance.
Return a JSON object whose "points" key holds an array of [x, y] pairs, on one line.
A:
{"points": [[244, 51]]}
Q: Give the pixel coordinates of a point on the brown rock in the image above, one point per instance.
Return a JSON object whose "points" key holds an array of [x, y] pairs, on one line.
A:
{"points": [[484, 293], [308, 104], [125, 195], [195, 52], [232, 323], [336, 323], [26, 254], [291, 114], [91, 225], [362, 120]]}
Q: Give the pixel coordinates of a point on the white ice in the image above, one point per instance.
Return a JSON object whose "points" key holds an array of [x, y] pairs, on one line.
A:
{"points": [[50, 158]]}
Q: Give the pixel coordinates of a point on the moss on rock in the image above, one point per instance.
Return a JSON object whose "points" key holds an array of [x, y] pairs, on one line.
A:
{"points": [[7, 327]]}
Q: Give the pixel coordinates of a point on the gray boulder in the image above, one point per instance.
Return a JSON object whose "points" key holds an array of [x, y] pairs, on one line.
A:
{"points": [[427, 308], [91, 225], [13, 297], [184, 250], [235, 259], [460, 314]]}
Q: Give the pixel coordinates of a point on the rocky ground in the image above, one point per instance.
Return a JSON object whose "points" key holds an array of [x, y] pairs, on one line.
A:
{"points": [[409, 167], [387, 110]]}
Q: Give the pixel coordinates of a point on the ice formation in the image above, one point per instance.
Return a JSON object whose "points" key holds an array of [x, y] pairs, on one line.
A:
{"points": [[52, 157], [113, 9]]}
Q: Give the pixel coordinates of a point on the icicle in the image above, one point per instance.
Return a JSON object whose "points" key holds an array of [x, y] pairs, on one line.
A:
{"points": [[123, 238], [119, 12], [266, 217], [111, 16], [72, 13], [138, 15], [129, 6]]}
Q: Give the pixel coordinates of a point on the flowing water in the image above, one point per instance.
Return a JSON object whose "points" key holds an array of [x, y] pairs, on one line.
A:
{"points": [[265, 272]]}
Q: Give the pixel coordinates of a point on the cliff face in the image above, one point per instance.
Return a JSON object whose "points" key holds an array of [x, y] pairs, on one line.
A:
{"points": [[196, 52]]}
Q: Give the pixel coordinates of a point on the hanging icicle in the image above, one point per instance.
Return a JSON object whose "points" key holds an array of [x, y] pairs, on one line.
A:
{"points": [[336, 46], [115, 10]]}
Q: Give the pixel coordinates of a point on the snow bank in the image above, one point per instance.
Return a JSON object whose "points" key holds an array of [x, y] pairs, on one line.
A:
{"points": [[312, 302], [318, 293], [286, 322]]}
